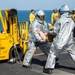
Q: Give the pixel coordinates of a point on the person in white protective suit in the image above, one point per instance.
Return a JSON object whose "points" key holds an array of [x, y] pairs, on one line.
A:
{"points": [[38, 30], [63, 28]]}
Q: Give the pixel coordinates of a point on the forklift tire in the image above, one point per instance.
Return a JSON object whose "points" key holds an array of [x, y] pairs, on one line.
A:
{"points": [[12, 13], [12, 54]]}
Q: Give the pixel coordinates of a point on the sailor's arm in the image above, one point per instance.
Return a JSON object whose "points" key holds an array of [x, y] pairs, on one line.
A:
{"points": [[31, 17], [52, 18]]}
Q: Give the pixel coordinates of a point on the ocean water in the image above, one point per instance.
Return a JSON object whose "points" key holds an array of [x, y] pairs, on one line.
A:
{"points": [[23, 15]]}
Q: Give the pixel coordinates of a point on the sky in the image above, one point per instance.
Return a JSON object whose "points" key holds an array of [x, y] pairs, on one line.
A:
{"points": [[36, 4]]}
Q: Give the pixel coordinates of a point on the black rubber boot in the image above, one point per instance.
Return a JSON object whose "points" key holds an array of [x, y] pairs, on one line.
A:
{"points": [[57, 59], [47, 70], [28, 67]]}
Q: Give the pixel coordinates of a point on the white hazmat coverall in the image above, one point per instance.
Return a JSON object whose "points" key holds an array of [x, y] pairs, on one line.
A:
{"points": [[34, 37], [63, 40]]}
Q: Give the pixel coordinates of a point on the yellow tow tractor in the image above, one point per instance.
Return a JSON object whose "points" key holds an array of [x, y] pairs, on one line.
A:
{"points": [[13, 35]]}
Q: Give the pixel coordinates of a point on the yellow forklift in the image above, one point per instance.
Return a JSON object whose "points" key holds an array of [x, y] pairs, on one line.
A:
{"points": [[13, 35]]}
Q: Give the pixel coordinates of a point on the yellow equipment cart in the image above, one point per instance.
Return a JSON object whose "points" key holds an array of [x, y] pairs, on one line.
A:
{"points": [[13, 35]]}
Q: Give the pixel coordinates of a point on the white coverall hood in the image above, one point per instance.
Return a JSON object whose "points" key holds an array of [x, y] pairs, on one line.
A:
{"points": [[64, 8], [40, 13], [40, 16]]}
